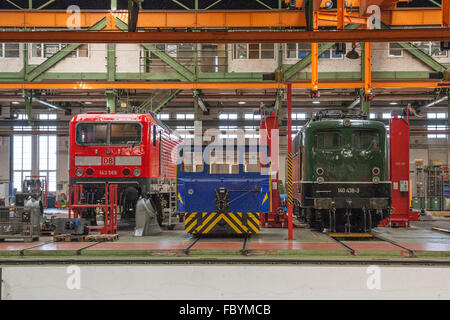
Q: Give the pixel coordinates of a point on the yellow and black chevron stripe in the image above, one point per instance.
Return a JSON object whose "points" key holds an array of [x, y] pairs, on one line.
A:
{"points": [[221, 223], [289, 184]]}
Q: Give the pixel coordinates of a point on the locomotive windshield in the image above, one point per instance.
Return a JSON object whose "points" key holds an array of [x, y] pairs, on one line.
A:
{"points": [[367, 140], [327, 140], [108, 133], [125, 133], [92, 133]]}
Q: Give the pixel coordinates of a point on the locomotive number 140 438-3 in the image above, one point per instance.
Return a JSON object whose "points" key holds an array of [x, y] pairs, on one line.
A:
{"points": [[348, 190]]}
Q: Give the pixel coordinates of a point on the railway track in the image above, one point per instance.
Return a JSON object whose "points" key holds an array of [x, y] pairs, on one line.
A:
{"points": [[195, 240], [338, 237]]}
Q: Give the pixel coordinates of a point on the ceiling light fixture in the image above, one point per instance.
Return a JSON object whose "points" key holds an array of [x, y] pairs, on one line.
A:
{"points": [[316, 102], [242, 102], [352, 54], [393, 103], [15, 102]]}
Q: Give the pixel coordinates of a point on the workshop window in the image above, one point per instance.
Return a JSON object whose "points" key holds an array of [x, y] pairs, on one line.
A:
{"points": [[437, 135], [22, 146], [163, 116], [46, 50], [297, 50], [185, 132], [254, 51], [298, 116], [47, 159], [432, 48], [395, 50], [434, 115], [9, 50], [185, 116], [45, 116], [21, 117], [297, 128], [251, 116], [330, 54], [228, 116]]}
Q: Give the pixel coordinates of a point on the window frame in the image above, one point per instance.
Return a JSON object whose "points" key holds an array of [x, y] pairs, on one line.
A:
{"points": [[327, 149], [366, 130], [247, 50], [23, 172], [3, 50], [108, 132], [389, 51], [61, 46]]}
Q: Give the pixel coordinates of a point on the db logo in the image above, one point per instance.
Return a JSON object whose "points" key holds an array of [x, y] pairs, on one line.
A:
{"points": [[108, 161]]}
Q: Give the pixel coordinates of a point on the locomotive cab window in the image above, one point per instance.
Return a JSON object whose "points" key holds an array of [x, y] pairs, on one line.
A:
{"points": [[367, 140], [92, 133], [327, 140], [125, 133]]}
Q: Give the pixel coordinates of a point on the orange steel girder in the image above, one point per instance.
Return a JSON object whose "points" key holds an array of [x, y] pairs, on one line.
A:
{"points": [[340, 14], [315, 56], [102, 85], [214, 18], [445, 5], [367, 67]]}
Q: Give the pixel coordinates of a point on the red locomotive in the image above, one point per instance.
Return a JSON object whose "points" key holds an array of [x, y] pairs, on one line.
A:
{"points": [[135, 153]]}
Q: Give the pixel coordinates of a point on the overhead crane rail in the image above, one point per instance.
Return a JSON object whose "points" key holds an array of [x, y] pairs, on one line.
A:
{"points": [[390, 35]]}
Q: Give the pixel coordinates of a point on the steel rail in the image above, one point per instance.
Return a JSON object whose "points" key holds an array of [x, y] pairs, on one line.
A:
{"points": [[187, 250], [382, 238]]}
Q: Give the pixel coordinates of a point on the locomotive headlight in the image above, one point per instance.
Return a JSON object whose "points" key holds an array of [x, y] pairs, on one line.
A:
{"points": [[376, 180], [320, 180], [376, 171], [137, 172], [79, 172], [319, 171]]}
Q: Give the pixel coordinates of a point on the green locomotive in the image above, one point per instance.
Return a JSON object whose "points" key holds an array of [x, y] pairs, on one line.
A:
{"points": [[341, 173]]}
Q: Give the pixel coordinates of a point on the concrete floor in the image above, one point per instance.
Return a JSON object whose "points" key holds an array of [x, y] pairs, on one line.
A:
{"points": [[269, 242]]}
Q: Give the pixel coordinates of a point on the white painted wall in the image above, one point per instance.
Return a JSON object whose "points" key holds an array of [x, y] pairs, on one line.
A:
{"points": [[128, 58]]}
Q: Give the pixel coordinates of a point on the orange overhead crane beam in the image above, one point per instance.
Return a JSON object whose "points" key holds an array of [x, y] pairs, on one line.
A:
{"points": [[214, 18], [391, 35], [209, 85]]}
